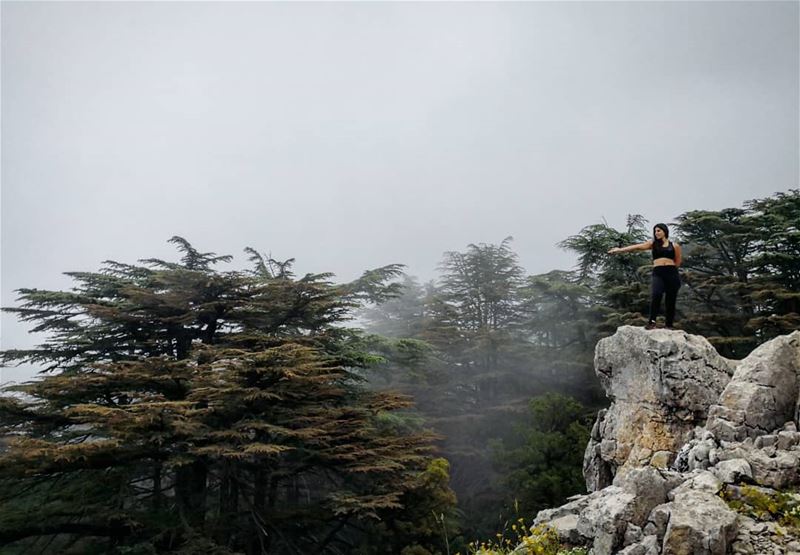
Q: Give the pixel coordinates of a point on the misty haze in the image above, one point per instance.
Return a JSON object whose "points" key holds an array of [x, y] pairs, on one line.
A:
{"points": [[330, 277]]}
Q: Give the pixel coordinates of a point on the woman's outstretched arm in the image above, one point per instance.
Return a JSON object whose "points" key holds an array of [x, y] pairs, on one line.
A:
{"points": [[646, 246], [678, 254]]}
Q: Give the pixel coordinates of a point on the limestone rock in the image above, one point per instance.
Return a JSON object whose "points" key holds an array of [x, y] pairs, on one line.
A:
{"points": [[733, 471], [574, 507], [647, 546], [658, 520], [633, 549], [567, 528], [700, 523], [703, 481], [787, 440], [679, 430], [605, 519], [763, 393], [771, 467], [661, 384], [633, 534]]}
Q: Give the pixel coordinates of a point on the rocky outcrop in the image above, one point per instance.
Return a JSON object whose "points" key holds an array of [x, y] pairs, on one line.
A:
{"points": [[686, 433], [661, 384], [763, 393]]}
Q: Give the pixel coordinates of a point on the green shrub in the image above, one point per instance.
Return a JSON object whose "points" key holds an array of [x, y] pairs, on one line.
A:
{"points": [[780, 506]]}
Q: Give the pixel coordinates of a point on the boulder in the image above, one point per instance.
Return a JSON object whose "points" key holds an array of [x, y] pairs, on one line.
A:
{"points": [[657, 520], [685, 424], [647, 546], [771, 467], [733, 471], [700, 524], [701, 480], [567, 528], [763, 392], [661, 384]]}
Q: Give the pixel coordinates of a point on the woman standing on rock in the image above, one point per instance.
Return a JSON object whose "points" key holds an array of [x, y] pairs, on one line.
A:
{"points": [[666, 259]]}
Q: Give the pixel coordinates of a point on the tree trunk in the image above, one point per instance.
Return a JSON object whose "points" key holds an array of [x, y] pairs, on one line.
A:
{"points": [[157, 487], [190, 487]]}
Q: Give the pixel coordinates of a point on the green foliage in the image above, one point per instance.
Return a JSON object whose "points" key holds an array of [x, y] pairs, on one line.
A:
{"points": [[403, 316], [542, 463], [538, 540], [474, 349], [741, 271], [479, 303], [780, 506], [482, 284], [427, 523], [188, 410], [543, 540], [592, 243], [619, 285], [719, 247]]}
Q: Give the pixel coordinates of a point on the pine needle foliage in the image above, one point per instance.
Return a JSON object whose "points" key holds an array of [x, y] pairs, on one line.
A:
{"points": [[742, 272], [184, 409], [619, 285], [473, 347]]}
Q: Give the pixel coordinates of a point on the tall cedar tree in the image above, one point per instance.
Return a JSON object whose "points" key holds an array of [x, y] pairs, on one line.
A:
{"points": [[474, 349], [480, 287], [562, 323], [720, 247], [183, 409], [742, 272], [777, 264], [619, 284]]}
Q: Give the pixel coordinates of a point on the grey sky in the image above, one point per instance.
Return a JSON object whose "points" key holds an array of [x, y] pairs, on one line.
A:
{"points": [[352, 135]]}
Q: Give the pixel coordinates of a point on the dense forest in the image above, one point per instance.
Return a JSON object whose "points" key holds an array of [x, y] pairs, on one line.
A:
{"points": [[183, 408]]}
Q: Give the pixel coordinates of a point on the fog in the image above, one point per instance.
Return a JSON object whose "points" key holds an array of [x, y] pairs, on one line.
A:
{"points": [[354, 135]]}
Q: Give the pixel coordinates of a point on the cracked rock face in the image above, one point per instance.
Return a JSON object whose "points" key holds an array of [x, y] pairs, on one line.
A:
{"points": [[699, 522], [686, 428], [661, 384], [762, 394]]}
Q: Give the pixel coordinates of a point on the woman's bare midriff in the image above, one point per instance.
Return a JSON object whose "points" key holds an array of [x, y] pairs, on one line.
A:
{"points": [[663, 262]]}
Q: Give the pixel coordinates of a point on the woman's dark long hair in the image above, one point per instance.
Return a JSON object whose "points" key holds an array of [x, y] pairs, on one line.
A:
{"points": [[662, 227]]}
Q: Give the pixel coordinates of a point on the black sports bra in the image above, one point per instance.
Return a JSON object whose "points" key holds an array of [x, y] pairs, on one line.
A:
{"points": [[660, 251]]}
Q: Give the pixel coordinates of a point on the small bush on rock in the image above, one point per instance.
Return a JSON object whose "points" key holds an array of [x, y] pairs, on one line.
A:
{"points": [[542, 540], [759, 503]]}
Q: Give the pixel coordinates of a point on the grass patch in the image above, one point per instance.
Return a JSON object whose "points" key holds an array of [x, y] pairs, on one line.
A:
{"points": [[521, 540], [782, 507]]}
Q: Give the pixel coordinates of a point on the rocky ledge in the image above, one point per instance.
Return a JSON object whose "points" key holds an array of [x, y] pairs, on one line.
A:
{"points": [[697, 454]]}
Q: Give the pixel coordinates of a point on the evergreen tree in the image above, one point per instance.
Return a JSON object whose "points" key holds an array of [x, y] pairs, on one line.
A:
{"points": [[403, 315], [620, 284], [776, 265], [742, 267], [479, 345], [719, 247], [481, 289], [183, 409], [562, 323], [740, 271], [542, 462]]}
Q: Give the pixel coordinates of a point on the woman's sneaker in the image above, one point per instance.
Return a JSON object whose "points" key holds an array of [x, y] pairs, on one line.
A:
{"points": [[650, 326]]}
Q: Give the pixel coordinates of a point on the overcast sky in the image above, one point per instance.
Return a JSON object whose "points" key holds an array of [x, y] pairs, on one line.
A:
{"points": [[353, 135]]}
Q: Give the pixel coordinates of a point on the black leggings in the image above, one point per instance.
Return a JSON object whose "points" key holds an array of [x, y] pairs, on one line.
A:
{"points": [[665, 280]]}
